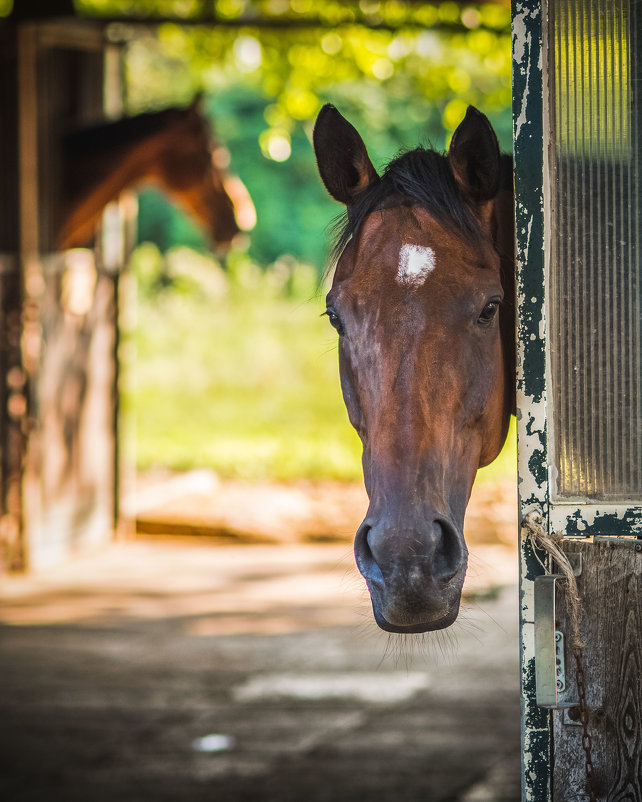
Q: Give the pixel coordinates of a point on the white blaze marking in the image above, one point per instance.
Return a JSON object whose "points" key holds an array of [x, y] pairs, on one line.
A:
{"points": [[415, 263]]}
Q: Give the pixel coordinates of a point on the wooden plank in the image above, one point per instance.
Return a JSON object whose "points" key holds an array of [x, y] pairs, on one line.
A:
{"points": [[11, 376], [69, 319], [28, 138], [611, 589], [74, 34]]}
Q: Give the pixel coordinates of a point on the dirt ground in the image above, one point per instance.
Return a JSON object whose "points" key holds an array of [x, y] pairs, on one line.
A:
{"points": [[198, 668], [298, 512]]}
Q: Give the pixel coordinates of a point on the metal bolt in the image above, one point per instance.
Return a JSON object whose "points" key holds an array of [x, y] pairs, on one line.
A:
{"points": [[638, 546], [558, 635], [573, 713], [560, 685]]}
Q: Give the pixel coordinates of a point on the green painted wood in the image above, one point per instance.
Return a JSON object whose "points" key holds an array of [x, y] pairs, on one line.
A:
{"points": [[528, 137], [576, 518]]}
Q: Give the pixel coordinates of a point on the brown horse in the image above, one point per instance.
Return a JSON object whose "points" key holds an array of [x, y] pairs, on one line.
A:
{"points": [[172, 148], [423, 301]]}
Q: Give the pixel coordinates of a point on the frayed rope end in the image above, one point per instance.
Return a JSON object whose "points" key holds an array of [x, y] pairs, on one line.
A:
{"points": [[551, 544]]}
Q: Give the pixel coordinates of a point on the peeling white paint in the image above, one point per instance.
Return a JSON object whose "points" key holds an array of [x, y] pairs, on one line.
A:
{"points": [[530, 436], [521, 49], [528, 238], [519, 36], [527, 604], [415, 265], [564, 517], [531, 391], [521, 120], [528, 641], [529, 750]]}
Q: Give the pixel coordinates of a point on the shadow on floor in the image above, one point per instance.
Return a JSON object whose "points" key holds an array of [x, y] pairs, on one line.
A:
{"points": [[163, 671]]}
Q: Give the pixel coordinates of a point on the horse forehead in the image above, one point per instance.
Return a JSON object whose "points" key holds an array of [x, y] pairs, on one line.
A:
{"points": [[394, 224], [405, 247], [416, 263]]}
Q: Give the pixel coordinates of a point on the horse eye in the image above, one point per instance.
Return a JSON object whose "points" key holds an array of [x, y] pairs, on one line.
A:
{"points": [[334, 319], [488, 313]]}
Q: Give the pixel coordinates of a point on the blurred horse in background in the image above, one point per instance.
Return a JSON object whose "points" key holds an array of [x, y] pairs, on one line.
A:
{"points": [[173, 149]]}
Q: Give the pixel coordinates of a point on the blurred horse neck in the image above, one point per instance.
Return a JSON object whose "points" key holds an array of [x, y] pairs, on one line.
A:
{"points": [[171, 148]]}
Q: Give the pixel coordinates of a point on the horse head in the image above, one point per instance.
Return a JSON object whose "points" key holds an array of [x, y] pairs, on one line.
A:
{"points": [[417, 298], [173, 148], [193, 169]]}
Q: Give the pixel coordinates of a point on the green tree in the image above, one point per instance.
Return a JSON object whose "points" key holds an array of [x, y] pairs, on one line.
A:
{"points": [[404, 72]]}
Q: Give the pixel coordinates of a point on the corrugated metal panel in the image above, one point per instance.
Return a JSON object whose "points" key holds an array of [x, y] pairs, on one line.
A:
{"points": [[596, 271]]}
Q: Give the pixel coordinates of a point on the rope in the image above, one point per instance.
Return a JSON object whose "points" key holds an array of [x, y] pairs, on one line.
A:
{"points": [[540, 539]]}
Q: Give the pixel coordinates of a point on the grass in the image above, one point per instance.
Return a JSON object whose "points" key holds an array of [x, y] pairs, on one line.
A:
{"points": [[238, 372]]}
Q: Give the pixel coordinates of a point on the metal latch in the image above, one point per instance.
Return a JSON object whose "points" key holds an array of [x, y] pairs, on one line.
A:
{"points": [[550, 679]]}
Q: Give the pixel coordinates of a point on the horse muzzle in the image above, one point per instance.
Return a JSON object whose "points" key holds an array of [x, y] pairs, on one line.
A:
{"points": [[414, 574]]}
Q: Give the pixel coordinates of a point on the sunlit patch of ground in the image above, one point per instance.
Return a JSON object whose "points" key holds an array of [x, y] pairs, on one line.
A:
{"points": [[198, 502], [213, 589], [300, 572]]}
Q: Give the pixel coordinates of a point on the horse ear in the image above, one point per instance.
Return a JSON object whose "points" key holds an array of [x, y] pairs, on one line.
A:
{"points": [[342, 158], [474, 157], [197, 103]]}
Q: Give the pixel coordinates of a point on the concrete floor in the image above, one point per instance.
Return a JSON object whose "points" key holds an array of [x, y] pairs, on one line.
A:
{"points": [[165, 670]]}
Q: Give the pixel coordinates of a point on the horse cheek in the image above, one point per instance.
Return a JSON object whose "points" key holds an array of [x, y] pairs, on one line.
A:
{"points": [[350, 396]]}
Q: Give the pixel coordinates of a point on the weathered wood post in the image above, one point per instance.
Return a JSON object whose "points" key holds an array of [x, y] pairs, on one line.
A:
{"points": [[58, 321], [578, 177]]}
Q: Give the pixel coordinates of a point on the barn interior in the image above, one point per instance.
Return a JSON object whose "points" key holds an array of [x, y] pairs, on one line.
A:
{"points": [[180, 613]]}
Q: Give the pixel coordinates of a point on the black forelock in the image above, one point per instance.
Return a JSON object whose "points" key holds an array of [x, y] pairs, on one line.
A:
{"points": [[420, 176]]}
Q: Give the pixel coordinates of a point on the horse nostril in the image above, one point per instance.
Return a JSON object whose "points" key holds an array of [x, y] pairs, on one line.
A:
{"points": [[366, 562], [449, 552], [385, 557], [362, 550]]}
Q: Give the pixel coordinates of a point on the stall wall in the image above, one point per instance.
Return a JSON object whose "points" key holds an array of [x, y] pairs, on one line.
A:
{"points": [[67, 304]]}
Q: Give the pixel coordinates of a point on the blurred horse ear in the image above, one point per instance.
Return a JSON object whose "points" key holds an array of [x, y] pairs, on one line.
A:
{"points": [[342, 158], [196, 105], [474, 157]]}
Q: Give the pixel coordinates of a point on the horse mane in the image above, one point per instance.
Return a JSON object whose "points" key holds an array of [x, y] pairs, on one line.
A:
{"points": [[114, 134], [420, 176]]}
